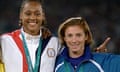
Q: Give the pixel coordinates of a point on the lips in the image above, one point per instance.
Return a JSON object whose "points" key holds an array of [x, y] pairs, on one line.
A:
{"points": [[32, 23], [74, 46]]}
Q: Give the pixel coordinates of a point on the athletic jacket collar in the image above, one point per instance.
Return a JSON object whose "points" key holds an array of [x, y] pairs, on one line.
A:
{"points": [[86, 56]]}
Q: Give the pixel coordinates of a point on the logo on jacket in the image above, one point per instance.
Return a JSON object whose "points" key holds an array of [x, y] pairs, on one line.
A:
{"points": [[50, 52]]}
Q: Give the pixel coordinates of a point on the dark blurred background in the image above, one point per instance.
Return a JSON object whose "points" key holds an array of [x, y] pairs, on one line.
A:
{"points": [[103, 16]]}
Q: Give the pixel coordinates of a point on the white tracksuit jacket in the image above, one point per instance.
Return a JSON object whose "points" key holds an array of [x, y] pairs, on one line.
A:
{"points": [[15, 61]]}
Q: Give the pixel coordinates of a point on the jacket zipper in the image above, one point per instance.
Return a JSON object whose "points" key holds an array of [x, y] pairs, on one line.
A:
{"points": [[75, 68]]}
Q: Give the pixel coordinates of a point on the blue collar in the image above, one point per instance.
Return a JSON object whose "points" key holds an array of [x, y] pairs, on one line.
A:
{"points": [[75, 61]]}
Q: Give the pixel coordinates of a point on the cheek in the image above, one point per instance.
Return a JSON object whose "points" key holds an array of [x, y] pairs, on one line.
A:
{"points": [[40, 21], [68, 42], [24, 21], [24, 24], [82, 40], [23, 16], [66, 39]]}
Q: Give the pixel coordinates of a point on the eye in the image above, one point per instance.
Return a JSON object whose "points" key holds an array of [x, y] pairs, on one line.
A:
{"points": [[37, 13], [69, 35], [78, 34], [27, 13]]}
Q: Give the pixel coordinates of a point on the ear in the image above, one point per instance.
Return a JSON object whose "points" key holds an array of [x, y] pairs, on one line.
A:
{"points": [[44, 17], [20, 20], [64, 39], [20, 15], [43, 20]]}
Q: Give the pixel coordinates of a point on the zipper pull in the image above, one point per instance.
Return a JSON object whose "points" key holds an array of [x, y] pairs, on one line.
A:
{"points": [[75, 67]]}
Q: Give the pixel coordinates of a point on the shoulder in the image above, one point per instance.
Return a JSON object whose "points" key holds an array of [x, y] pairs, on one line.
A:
{"points": [[53, 39], [59, 62], [6, 36], [109, 62], [59, 58], [106, 57]]}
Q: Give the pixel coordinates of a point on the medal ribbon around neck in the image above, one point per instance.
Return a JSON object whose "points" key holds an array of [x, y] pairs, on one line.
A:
{"points": [[37, 60]]}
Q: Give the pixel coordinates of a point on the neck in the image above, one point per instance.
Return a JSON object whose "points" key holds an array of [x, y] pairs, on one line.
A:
{"points": [[75, 54], [33, 33]]}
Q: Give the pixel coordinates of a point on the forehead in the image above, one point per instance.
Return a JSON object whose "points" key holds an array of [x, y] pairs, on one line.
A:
{"points": [[74, 28], [32, 6]]}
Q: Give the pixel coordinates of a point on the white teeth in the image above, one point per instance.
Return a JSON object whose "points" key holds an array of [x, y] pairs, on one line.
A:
{"points": [[32, 23]]}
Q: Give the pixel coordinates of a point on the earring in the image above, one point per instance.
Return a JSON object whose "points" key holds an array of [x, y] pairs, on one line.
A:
{"points": [[20, 22]]}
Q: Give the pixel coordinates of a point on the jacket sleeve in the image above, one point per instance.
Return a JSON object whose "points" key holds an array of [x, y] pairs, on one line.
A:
{"points": [[113, 63], [109, 62]]}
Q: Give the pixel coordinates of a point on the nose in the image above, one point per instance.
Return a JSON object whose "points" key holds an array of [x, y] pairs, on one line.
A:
{"points": [[32, 16], [74, 39]]}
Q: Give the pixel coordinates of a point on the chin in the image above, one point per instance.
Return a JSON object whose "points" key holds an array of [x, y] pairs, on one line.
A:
{"points": [[75, 50], [33, 29]]}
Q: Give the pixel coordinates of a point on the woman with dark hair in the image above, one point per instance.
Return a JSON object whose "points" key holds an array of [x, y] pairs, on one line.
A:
{"points": [[26, 49]]}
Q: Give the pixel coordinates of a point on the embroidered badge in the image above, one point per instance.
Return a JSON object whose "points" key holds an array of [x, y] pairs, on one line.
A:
{"points": [[50, 52]]}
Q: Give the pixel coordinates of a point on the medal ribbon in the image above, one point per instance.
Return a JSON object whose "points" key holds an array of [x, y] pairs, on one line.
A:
{"points": [[37, 60]]}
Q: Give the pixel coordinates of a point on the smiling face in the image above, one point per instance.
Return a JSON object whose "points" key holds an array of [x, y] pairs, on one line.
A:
{"points": [[75, 39], [32, 17], [75, 34]]}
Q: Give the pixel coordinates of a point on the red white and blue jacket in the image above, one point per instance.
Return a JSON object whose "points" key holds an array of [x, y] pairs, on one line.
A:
{"points": [[14, 56]]}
